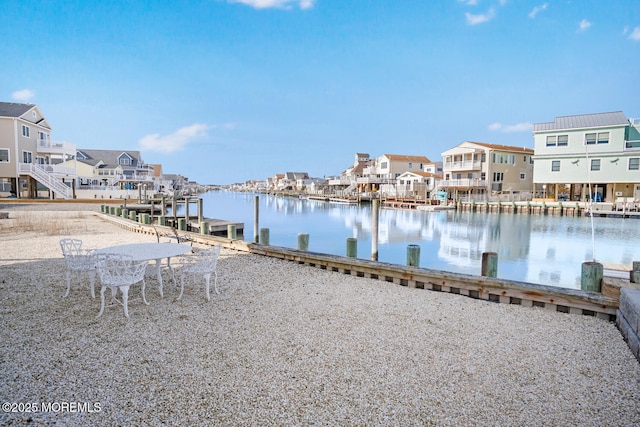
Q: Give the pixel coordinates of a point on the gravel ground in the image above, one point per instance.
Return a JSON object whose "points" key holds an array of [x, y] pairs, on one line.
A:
{"points": [[289, 345]]}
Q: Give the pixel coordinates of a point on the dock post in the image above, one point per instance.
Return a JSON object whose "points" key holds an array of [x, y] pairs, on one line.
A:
{"points": [[591, 278], [374, 229], [264, 236], [182, 224], [204, 227], [147, 219], [186, 209], [119, 211], [352, 247], [162, 220], [174, 210], [232, 232], [634, 275], [133, 215], [303, 242], [413, 256], [125, 213], [200, 210], [489, 264], [256, 209]]}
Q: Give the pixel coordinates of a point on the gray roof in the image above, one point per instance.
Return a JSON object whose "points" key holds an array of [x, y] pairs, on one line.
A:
{"points": [[14, 109], [110, 157], [616, 118]]}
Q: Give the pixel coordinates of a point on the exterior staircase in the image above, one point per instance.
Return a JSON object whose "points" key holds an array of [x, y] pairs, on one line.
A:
{"points": [[49, 180]]}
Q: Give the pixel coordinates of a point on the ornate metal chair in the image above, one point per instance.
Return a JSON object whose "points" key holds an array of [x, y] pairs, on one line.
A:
{"points": [[202, 263], [118, 271], [78, 260]]}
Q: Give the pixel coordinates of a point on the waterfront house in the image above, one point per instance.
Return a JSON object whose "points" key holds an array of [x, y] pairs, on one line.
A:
{"points": [[601, 149], [28, 156], [419, 183], [481, 171], [345, 184], [381, 174]]}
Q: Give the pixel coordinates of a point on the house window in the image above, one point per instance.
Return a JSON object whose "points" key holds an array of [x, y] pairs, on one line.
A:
{"points": [[595, 164], [552, 140], [483, 176], [410, 165], [26, 157], [603, 137], [483, 157], [563, 140], [523, 176], [25, 131], [383, 165], [421, 166], [591, 138], [498, 176], [4, 155], [124, 161], [634, 163], [500, 158], [555, 166], [42, 136]]}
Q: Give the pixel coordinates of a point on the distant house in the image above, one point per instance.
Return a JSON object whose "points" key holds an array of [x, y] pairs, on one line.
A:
{"points": [[601, 149], [28, 156], [347, 181], [419, 184], [477, 170], [386, 169]]}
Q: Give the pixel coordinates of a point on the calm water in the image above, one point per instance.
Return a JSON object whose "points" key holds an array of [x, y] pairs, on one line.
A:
{"points": [[548, 250]]}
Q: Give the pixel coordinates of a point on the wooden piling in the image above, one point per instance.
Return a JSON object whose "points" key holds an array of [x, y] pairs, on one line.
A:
{"points": [[182, 224], [352, 247], [264, 236], [232, 233], [489, 264], [634, 275], [204, 227], [256, 210], [374, 229], [413, 256], [591, 278], [303, 242]]}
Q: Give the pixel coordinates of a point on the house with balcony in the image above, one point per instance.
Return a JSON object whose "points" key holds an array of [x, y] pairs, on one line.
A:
{"points": [[29, 159], [120, 171], [419, 184], [481, 171], [382, 173], [601, 151], [345, 184]]}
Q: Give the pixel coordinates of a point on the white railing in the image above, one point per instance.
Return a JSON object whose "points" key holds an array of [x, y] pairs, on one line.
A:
{"points": [[47, 179], [463, 165], [341, 181], [464, 182], [46, 146]]}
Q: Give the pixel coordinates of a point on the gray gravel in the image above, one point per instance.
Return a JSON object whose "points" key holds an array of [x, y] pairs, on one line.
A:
{"points": [[291, 345]]}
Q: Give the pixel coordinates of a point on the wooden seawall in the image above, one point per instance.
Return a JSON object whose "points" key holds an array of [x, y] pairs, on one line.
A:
{"points": [[479, 287]]}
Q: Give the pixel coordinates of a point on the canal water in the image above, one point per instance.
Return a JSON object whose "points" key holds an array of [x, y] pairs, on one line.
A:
{"points": [[548, 250]]}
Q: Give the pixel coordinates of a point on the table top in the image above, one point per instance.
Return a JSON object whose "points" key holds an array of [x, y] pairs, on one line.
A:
{"points": [[147, 251]]}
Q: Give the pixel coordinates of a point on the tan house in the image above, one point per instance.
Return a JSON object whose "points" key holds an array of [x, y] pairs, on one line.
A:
{"points": [[29, 158], [481, 171], [382, 173]]}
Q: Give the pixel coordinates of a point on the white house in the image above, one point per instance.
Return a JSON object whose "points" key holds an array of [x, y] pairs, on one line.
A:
{"points": [[601, 149]]}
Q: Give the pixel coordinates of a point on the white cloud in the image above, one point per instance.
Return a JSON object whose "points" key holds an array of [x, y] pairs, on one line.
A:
{"points": [[519, 127], [23, 95], [537, 10], [480, 19], [175, 141], [469, 2], [584, 25], [635, 34], [280, 4]]}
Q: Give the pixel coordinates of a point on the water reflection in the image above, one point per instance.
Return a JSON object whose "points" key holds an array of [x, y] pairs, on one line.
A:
{"points": [[539, 249]]}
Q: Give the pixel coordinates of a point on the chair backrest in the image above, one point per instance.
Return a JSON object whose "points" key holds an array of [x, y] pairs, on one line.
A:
{"points": [[71, 246], [207, 260], [119, 269]]}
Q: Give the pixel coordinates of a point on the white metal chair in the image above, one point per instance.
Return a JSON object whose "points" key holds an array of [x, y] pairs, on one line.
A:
{"points": [[202, 263], [78, 260], [117, 271]]}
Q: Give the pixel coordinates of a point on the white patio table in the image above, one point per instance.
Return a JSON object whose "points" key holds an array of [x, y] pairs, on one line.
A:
{"points": [[148, 252]]}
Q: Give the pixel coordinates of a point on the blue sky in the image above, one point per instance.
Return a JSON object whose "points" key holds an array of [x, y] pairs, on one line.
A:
{"points": [[225, 91]]}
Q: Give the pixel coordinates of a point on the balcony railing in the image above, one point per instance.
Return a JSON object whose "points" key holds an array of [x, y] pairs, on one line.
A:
{"points": [[466, 165], [47, 146], [464, 183]]}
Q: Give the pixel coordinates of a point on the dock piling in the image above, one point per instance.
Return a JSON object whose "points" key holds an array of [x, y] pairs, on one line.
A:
{"points": [[303, 242], [264, 236], [352, 247], [591, 278], [413, 255], [232, 233], [489, 264]]}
